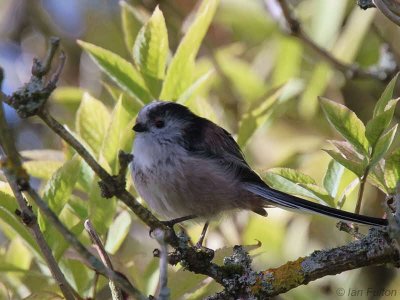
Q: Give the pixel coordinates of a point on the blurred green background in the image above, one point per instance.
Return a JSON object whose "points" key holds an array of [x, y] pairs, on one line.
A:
{"points": [[247, 55]]}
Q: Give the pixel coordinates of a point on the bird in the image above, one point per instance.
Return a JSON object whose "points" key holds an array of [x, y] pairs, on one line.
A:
{"points": [[185, 166]]}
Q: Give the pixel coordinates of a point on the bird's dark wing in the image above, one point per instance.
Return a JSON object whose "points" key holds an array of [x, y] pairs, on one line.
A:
{"points": [[204, 138]]}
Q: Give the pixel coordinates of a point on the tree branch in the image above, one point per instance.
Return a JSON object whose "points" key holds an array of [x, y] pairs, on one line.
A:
{"points": [[22, 182], [25, 213], [374, 249], [115, 291], [350, 71], [236, 275]]}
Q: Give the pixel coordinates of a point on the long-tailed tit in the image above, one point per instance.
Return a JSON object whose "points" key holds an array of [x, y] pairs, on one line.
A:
{"points": [[185, 165]]}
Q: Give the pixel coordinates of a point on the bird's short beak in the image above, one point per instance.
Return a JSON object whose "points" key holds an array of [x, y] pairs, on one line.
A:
{"points": [[139, 127]]}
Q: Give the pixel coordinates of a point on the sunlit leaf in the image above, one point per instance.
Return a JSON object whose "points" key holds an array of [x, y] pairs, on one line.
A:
{"points": [[7, 199], [112, 139], [260, 112], [42, 169], [377, 177], [392, 170], [347, 150], [92, 119], [67, 95], [121, 71], [376, 126], [356, 167], [255, 117], [101, 210], [118, 231], [180, 71], [16, 228], [18, 255], [78, 275], [293, 175], [240, 76], [333, 177], [151, 46], [132, 19], [383, 145], [59, 188], [346, 123], [294, 182], [131, 104], [195, 87], [386, 96]]}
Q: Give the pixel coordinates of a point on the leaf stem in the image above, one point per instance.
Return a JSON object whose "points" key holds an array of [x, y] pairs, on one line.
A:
{"points": [[363, 180]]}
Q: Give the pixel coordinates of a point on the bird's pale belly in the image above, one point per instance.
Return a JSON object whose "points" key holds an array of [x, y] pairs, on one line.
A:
{"points": [[186, 188]]}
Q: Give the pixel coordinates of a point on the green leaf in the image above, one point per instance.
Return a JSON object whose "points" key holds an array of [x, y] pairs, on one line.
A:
{"points": [[355, 166], [151, 46], [294, 182], [67, 95], [121, 71], [16, 228], [333, 177], [78, 275], [42, 169], [132, 19], [92, 119], [179, 74], [293, 175], [116, 129], [101, 210], [320, 193], [392, 170], [7, 199], [347, 150], [195, 87], [131, 104], [346, 123], [386, 96], [380, 122], [261, 111], [383, 145], [377, 177], [118, 231], [255, 117], [59, 188]]}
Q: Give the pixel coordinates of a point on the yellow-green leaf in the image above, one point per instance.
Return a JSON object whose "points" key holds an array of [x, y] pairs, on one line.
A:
{"points": [[132, 19], [347, 124], [92, 119], [333, 177], [386, 96], [380, 122], [121, 71], [151, 46], [392, 170], [180, 72], [356, 167], [383, 145], [118, 231], [116, 129], [58, 189]]}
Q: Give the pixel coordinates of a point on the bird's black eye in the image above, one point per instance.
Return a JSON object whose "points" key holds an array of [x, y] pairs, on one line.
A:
{"points": [[159, 123]]}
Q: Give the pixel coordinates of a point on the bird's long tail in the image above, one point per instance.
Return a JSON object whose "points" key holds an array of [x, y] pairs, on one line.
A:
{"points": [[291, 202]]}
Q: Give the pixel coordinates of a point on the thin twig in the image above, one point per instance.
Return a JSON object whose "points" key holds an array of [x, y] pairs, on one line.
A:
{"points": [[92, 260], [26, 214], [164, 293], [363, 181], [350, 71], [116, 292]]}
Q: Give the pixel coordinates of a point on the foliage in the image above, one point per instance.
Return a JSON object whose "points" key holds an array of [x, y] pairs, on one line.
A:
{"points": [[229, 84]]}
